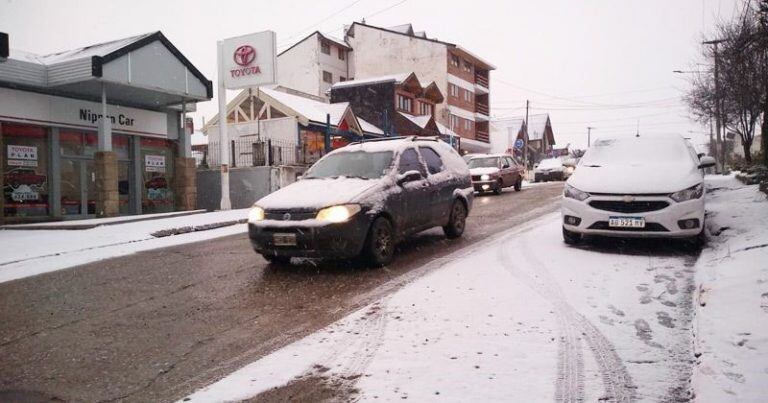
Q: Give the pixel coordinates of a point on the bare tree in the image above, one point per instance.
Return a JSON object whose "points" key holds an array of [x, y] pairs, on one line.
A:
{"points": [[742, 78]]}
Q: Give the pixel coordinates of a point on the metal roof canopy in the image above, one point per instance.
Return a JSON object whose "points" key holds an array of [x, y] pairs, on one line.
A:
{"points": [[145, 71]]}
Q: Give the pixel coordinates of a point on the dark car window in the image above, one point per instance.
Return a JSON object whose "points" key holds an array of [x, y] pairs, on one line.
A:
{"points": [[433, 160], [510, 162], [353, 164], [484, 162], [409, 161]]}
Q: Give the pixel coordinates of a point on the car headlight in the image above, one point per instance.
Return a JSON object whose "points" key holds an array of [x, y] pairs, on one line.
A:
{"points": [[337, 214], [569, 170], [485, 177], [693, 192], [574, 193], [256, 214]]}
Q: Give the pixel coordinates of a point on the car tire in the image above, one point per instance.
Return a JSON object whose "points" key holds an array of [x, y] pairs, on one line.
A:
{"points": [[379, 247], [498, 189], [279, 260], [457, 222], [519, 185], [698, 241], [570, 237]]}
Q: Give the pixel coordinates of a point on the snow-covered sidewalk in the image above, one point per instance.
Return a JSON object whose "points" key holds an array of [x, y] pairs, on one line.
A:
{"points": [[732, 309], [25, 253]]}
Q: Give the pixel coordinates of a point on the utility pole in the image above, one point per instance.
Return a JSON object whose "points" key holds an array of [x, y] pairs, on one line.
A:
{"points": [[589, 136], [525, 138], [718, 116]]}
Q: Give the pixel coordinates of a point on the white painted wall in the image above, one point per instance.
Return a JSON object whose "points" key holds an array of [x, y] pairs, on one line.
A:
{"points": [[298, 68], [332, 64], [378, 53]]}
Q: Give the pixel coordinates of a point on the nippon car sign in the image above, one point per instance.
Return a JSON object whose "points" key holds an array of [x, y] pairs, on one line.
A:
{"points": [[248, 60]]}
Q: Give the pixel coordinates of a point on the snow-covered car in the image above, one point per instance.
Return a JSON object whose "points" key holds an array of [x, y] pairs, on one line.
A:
{"points": [[493, 172], [552, 169], [360, 200], [640, 186]]}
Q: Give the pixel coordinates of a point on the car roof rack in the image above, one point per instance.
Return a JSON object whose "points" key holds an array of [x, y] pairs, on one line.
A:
{"points": [[383, 139]]}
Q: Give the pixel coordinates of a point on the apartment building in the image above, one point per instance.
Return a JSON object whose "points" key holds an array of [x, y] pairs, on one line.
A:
{"points": [[313, 64], [457, 72]]}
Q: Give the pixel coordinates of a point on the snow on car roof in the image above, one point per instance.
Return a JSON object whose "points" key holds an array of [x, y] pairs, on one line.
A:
{"points": [[632, 149]]}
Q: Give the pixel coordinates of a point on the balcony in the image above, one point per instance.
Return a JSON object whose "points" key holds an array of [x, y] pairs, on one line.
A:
{"points": [[481, 136]]}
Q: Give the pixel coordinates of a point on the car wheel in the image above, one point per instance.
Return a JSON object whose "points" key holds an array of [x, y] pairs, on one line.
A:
{"points": [[380, 244], [519, 185], [698, 241], [570, 237], [497, 190], [281, 260], [457, 222]]}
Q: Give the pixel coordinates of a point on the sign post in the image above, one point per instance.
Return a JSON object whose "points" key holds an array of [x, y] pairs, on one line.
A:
{"points": [[244, 61]]}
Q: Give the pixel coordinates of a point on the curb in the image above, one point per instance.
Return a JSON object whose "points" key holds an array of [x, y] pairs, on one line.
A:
{"points": [[196, 228]]}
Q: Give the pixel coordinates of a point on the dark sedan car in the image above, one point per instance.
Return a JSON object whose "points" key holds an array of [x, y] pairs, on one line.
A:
{"points": [[360, 200]]}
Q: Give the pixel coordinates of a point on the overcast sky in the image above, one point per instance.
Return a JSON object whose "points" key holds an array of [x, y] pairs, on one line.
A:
{"points": [[601, 63]]}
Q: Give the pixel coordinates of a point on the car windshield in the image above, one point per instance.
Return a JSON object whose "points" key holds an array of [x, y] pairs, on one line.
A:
{"points": [[636, 151], [487, 162], [352, 164]]}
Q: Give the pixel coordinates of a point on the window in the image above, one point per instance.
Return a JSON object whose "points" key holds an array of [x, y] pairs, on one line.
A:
{"points": [[404, 103], [325, 48], [425, 108], [467, 124], [25, 169], [455, 121], [454, 90], [342, 54], [327, 77], [467, 96], [342, 78], [433, 160], [454, 61], [409, 161], [467, 66]]}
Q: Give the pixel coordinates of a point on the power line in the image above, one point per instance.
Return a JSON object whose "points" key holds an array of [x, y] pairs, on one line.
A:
{"points": [[290, 38]]}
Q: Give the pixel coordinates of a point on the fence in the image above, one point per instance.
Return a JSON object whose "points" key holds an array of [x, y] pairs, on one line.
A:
{"points": [[252, 152]]}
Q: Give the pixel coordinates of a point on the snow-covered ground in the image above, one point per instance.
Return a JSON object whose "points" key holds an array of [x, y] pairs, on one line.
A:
{"points": [[524, 317], [732, 308], [25, 253]]}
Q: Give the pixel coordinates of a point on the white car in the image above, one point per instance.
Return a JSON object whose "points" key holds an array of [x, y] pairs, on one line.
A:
{"points": [[551, 169], [640, 186]]}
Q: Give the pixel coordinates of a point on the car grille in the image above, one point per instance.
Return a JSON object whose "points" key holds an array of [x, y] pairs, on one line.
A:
{"points": [[649, 227], [475, 178], [629, 207], [294, 215]]}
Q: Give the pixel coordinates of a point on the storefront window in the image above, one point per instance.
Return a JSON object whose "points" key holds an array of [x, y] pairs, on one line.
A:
{"points": [[78, 144], [157, 171], [25, 171]]}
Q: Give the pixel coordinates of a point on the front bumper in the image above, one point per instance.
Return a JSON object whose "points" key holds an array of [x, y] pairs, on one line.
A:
{"points": [[484, 186], [548, 176], [661, 223], [313, 239]]}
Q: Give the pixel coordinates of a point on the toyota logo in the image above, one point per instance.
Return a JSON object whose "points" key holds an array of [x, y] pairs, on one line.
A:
{"points": [[287, 216], [245, 55]]}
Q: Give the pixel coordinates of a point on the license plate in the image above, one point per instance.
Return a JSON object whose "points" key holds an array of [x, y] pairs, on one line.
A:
{"points": [[284, 239], [626, 222]]}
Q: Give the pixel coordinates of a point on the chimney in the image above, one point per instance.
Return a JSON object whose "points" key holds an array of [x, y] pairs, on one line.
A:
{"points": [[4, 49]]}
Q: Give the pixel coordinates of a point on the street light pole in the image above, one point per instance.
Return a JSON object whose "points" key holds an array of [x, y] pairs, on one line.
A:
{"points": [[589, 136], [525, 138], [718, 116]]}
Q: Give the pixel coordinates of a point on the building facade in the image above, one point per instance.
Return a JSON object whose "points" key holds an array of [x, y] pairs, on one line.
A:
{"points": [[313, 64], [97, 131], [398, 104], [462, 76]]}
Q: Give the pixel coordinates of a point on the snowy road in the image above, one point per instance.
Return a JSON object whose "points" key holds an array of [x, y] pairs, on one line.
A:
{"points": [[159, 324], [515, 318]]}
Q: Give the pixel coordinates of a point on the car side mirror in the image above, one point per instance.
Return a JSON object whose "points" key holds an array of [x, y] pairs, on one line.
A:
{"points": [[700, 155], [409, 176], [706, 162], [505, 166]]}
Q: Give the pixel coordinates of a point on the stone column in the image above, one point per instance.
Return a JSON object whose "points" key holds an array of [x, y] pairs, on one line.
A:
{"points": [[185, 183], [107, 199]]}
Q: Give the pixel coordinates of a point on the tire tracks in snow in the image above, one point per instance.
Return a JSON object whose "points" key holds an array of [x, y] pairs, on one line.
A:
{"points": [[617, 382]]}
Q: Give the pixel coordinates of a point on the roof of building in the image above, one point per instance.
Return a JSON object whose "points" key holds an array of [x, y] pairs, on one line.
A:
{"points": [[320, 35], [390, 78], [537, 125], [421, 120]]}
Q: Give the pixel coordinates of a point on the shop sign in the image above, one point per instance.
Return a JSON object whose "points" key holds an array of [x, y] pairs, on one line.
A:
{"points": [[24, 193], [22, 156], [249, 60], [154, 163]]}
